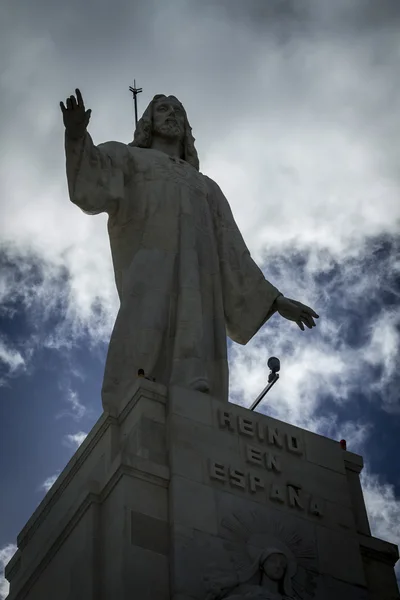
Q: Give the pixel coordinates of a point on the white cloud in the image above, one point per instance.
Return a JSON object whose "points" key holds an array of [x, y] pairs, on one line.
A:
{"points": [[352, 352], [6, 553], [74, 440], [383, 351], [48, 483], [76, 409], [383, 509], [314, 366], [10, 357]]}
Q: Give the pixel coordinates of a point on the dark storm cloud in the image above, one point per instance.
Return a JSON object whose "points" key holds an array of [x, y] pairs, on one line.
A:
{"points": [[75, 26], [358, 14], [218, 53]]}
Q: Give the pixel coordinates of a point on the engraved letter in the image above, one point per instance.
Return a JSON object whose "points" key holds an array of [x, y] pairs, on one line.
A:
{"points": [[217, 470], [293, 443], [225, 419], [276, 493], [273, 462], [274, 437], [253, 455], [294, 496], [256, 483], [316, 507], [246, 426], [237, 478], [261, 431]]}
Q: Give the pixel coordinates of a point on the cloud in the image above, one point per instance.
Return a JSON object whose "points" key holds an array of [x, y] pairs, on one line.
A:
{"points": [[383, 352], [351, 353], [11, 358], [49, 482], [76, 409], [6, 553], [383, 509], [74, 440]]}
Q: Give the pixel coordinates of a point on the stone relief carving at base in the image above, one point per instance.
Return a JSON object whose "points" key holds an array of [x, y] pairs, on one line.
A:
{"points": [[269, 561]]}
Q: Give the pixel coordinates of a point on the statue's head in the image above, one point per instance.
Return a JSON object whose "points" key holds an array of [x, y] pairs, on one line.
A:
{"points": [[166, 117], [274, 566]]}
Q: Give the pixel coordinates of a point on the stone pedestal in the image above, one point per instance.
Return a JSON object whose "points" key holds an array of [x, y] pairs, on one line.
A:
{"points": [[181, 496]]}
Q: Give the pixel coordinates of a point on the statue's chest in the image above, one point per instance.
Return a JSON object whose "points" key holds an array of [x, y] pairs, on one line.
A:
{"points": [[159, 169]]}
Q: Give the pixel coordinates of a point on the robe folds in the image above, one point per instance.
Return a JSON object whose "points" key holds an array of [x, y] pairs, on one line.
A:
{"points": [[184, 275]]}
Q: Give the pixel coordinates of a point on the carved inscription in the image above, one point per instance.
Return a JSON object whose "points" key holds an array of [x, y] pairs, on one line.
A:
{"points": [[258, 431], [262, 445], [290, 494]]}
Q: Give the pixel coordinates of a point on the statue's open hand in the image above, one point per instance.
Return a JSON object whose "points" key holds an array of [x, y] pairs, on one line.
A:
{"points": [[296, 311], [76, 119]]}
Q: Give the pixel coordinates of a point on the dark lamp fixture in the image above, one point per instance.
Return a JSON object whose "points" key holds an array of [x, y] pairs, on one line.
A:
{"points": [[274, 366]]}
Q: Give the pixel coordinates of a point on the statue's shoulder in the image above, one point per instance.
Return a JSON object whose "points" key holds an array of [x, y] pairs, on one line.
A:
{"points": [[123, 155], [214, 191], [118, 148], [215, 194], [211, 184]]}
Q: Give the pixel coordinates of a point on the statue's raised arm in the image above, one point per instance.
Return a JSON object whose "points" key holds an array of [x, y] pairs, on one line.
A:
{"points": [[95, 174]]}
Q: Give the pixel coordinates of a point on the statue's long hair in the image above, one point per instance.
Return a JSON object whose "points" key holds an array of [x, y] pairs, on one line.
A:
{"points": [[144, 129]]}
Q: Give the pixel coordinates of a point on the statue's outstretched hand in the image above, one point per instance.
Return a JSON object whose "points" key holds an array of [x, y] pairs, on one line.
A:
{"points": [[296, 311], [76, 119]]}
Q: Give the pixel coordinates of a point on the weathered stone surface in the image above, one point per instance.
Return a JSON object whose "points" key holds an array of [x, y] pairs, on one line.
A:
{"points": [[339, 556], [192, 505], [166, 504], [323, 451], [103, 529], [293, 484]]}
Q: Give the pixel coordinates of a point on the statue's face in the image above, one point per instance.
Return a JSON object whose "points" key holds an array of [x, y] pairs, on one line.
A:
{"points": [[275, 566], [168, 118]]}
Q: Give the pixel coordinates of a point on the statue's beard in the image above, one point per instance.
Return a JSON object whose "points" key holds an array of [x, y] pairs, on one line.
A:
{"points": [[169, 130]]}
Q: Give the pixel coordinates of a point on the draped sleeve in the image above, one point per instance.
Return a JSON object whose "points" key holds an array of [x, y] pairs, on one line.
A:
{"points": [[96, 174], [247, 296]]}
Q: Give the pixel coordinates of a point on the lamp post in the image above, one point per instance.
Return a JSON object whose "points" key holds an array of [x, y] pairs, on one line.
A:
{"points": [[274, 366]]}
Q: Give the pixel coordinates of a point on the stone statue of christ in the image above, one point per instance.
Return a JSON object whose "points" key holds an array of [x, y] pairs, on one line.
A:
{"points": [[184, 275]]}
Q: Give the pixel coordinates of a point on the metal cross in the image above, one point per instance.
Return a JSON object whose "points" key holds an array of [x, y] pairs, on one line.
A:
{"points": [[135, 91]]}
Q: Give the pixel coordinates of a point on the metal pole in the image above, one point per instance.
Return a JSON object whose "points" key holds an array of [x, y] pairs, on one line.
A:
{"points": [[135, 91], [135, 101], [257, 401]]}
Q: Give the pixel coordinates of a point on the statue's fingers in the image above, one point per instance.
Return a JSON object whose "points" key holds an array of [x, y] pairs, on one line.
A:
{"points": [[300, 324], [73, 102], [310, 311], [306, 308], [306, 321], [79, 98], [307, 318], [69, 104], [63, 107]]}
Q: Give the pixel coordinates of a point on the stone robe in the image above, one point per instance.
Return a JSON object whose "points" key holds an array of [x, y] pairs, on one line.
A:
{"points": [[184, 275]]}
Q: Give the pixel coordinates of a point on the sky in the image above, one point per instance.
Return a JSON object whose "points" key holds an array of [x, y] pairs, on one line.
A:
{"points": [[295, 107]]}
